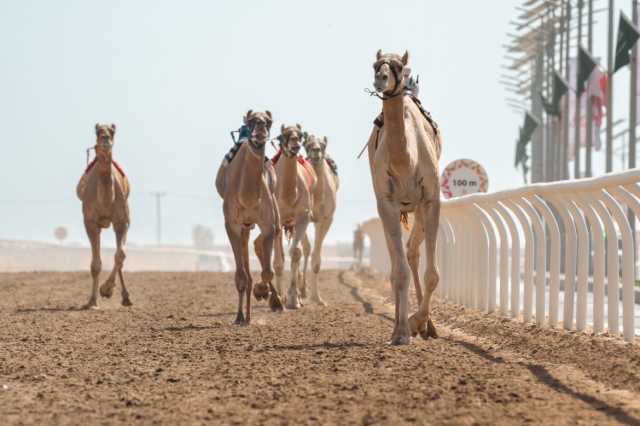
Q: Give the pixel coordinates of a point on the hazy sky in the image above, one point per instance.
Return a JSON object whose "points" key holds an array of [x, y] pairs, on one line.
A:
{"points": [[176, 77]]}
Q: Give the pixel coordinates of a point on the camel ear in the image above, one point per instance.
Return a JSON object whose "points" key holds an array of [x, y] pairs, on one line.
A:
{"points": [[379, 54], [405, 58], [246, 117], [269, 114], [326, 141], [282, 129], [113, 129], [97, 127], [299, 127]]}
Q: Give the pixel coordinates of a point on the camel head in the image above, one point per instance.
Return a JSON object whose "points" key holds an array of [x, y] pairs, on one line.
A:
{"points": [[290, 139], [105, 134], [315, 147], [104, 144], [391, 73], [259, 124]]}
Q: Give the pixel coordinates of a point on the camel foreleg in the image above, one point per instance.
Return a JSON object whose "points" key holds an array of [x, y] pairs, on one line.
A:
{"points": [[293, 301], [93, 232], [390, 215], [242, 275], [316, 259], [306, 251]]}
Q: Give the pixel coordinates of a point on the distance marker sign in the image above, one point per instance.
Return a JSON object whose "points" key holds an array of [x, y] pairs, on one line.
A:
{"points": [[463, 177]]}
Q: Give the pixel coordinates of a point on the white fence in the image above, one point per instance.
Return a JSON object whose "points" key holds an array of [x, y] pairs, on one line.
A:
{"points": [[503, 251]]}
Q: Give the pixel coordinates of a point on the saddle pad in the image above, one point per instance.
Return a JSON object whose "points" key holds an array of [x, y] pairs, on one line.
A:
{"points": [[116, 165]]}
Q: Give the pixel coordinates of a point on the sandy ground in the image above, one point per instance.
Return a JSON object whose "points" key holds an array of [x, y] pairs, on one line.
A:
{"points": [[175, 358]]}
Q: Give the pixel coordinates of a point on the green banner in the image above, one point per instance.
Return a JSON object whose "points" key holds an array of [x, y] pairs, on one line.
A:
{"points": [[627, 37]]}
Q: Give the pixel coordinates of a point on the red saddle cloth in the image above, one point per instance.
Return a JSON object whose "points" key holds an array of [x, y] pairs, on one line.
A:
{"points": [[117, 166], [310, 174]]}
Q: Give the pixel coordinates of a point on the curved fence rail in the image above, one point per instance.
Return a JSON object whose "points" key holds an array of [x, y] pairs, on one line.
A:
{"points": [[529, 251]]}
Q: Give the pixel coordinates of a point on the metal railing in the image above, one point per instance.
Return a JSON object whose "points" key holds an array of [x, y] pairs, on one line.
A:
{"points": [[503, 251]]}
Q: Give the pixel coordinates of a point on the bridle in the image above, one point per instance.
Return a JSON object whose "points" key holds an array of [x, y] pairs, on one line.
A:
{"points": [[396, 77], [282, 141], [254, 143]]}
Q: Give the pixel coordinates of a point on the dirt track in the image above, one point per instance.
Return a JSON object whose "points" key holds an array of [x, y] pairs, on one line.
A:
{"points": [[175, 358]]}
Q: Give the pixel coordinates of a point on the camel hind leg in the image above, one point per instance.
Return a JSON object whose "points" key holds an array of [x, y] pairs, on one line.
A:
{"points": [[421, 322], [93, 232], [413, 252]]}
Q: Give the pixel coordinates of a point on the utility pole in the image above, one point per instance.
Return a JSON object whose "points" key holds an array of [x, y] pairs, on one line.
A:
{"points": [[589, 105], [609, 147], [576, 140], [159, 195]]}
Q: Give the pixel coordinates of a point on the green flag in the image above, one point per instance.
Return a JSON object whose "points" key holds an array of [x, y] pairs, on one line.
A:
{"points": [[627, 37], [526, 131], [586, 65], [560, 88]]}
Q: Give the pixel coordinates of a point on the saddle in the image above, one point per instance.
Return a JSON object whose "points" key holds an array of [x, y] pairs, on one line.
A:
{"points": [[229, 156], [310, 174], [332, 165], [116, 165]]}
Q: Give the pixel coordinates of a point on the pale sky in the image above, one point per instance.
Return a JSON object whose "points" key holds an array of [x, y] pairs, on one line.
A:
{"points": [[176, 77]]}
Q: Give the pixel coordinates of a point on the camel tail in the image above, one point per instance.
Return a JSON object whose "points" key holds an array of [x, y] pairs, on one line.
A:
{"points": [[404, 220]]}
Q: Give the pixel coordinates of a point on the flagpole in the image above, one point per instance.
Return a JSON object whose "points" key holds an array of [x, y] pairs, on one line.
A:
{"points": [[576, 140], [565, 115], [589, 105], [632, 99], [609, 147], [633, 112]]}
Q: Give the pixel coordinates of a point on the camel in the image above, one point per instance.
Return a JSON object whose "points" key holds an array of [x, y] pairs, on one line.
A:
{"points": [[324, 206], [246, 185], [104, 191], [358, 246], [296, 181], [404, 149]]}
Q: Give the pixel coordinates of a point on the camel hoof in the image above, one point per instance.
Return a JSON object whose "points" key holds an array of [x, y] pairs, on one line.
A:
{"points": [[293, 302], [275, 303], [415, 325], [106, 289], [126, 301], [239, 319], [398, 340], [318, 301], [303, 292], [430, 331], [91, 305], [261, 291]]}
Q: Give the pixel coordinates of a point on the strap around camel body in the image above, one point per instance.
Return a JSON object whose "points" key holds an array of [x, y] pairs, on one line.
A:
{"points": [[379, 121], [116, 165]]}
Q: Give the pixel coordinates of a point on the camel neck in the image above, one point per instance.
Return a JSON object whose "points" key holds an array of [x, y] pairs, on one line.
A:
{"points": [[395, 134], [321, 173], [250, 177], [106, 194], [289, 179]]}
